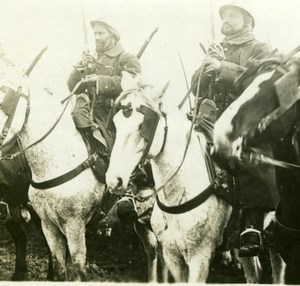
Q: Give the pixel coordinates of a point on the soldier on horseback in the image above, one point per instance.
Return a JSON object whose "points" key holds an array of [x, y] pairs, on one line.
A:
{"points": [[216, 89], [100, 77], [101, 82]]}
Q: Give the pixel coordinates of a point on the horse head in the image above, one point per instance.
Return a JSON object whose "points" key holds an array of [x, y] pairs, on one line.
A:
{"points": [[14, 101], [136, 117], [249, 115]]}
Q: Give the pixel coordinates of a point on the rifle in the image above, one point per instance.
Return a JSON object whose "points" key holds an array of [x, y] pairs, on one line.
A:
{"points": [[140, 53], [146, 43], [37, 58], [185, 77], [189, 92]]}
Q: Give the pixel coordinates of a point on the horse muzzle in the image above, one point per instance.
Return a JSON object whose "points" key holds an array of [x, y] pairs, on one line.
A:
{"points": [[116, 186]]}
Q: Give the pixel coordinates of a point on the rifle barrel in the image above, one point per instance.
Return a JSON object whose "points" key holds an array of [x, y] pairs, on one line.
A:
{"points": [[37, 58], [146, 43]]}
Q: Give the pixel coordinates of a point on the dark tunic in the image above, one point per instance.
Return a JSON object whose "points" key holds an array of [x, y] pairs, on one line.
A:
{"points": [[99, 99], [256, 184]]}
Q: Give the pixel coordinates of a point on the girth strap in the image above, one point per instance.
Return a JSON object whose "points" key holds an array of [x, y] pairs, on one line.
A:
{"points": [[67, 176]]}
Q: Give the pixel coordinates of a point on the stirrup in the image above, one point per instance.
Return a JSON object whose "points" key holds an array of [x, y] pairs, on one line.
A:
{"points": [[250, 242], [127, 211]]}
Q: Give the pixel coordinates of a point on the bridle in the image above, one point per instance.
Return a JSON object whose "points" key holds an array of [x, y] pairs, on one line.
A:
{"points": [[9, 106], [55, 181], [22, 151], [149, 125], [148, 134]]}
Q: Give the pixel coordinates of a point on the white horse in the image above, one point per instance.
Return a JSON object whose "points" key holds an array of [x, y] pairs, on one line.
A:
{"points": [[189, 239], [66, 208]]}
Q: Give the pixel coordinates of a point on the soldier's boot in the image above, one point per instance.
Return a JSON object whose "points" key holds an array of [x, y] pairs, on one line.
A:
{"points": [[96, 133], [141, 181], [251, 240], [208, 110]]}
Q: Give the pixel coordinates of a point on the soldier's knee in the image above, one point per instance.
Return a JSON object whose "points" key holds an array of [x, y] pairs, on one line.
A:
{"points": [[81, 112]]}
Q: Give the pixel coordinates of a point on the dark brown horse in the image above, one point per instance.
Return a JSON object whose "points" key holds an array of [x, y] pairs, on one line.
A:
{"points": [[14, 186], [268, 111], [16, 215]]}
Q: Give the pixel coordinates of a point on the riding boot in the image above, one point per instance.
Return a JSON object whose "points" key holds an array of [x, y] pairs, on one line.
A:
{"points": [[141, 181], [96, 133], [127, 211], [251, 242]]}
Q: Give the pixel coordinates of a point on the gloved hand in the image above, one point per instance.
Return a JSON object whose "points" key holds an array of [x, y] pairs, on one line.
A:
{"points": [[85, 83], [211, 65], [86, 58], [216, 51]]}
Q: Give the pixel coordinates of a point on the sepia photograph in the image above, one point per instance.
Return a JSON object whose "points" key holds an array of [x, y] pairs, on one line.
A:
{"points": [[150, 141]]}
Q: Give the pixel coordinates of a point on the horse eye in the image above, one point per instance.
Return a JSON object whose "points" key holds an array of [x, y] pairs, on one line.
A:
{"points": [[127, 112]]}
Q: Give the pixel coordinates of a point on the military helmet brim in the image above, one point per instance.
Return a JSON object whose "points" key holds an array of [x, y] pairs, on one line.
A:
{"points": [[225, 7], [112, 30]]}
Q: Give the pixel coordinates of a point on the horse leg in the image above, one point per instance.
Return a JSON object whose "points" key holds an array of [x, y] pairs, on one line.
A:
{"points": [[37, 221], [164, 268], [235, 256], [75, 234], [278, 266], [199, 268], [58, 247], [18, 234], [252, 269], [151, 248], [176, 266]]}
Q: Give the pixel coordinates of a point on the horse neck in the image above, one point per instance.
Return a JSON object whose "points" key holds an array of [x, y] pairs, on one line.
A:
{"points": [[62, 150], [192, 176]]}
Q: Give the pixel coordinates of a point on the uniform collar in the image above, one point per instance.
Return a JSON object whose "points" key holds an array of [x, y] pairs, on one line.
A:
{"points": [[114, 51], [239, 39]]}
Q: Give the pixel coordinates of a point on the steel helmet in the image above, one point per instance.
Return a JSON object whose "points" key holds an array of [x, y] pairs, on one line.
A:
{"points": [[112, 30], [239, 6]]}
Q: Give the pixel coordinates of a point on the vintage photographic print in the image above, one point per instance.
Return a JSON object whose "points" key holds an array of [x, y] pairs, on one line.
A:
{"points": [[150, 141]]}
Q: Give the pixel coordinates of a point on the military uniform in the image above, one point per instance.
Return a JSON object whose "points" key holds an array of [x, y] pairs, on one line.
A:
{"points": [[239, 53], [94, 106], [254, 190]]}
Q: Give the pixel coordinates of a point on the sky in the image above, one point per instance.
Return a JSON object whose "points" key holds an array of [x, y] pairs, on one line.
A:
{"points": [[27, 26]]}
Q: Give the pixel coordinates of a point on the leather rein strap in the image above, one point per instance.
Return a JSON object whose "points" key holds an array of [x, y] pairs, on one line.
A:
{"points": [[60, 179], [67, 176], [189, 205]]}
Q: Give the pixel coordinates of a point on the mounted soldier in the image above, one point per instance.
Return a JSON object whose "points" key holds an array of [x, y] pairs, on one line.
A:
{"points": [[216, 89], [100, 84]]}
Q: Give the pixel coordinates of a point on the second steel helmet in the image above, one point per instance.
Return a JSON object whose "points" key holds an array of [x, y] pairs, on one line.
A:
{"points": [[239, 6]]}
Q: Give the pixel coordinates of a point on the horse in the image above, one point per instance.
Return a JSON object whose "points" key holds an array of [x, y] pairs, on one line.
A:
{"points": [[15, 217], [268, 112], [145, 130], [51, 146], [14, 195]]}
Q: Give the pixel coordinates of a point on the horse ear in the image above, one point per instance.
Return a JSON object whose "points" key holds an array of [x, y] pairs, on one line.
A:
{"points": [[128, 81]]}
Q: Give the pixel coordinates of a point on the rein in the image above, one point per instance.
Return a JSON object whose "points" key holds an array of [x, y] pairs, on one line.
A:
{"points": [[11, 156], [60, 179], [214, 187]]}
